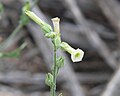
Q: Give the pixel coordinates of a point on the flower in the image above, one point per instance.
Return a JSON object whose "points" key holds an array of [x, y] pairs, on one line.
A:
{"points": [[76, 54], [56, 25]]}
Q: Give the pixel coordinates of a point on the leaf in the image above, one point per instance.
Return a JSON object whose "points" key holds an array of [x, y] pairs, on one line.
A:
{"points": [[13, 54], [23, 18], [57, 41], [50, 35], [60, 62], [49, 79], [1, 9], [46, 28]]}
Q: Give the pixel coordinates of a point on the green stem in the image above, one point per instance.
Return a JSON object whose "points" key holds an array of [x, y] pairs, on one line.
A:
{"points": [[5, 43], [53, 87]]}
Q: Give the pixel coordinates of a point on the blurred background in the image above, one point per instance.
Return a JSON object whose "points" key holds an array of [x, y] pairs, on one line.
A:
{"points": [[92, 25]]}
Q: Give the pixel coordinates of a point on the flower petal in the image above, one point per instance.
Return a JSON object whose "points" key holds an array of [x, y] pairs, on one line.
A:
{"points": [[77, 55]]}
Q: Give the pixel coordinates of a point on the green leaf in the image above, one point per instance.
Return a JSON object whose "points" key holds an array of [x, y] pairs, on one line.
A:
{"points": [[13, 54], [24, 18], [57, 41], [1, 9], [60, 62], [49, 79], [26, 6], [50, 35], [46, 28]]}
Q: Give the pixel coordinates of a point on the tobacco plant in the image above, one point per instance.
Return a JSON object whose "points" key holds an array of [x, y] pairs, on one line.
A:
{"points": [[55, 36]]}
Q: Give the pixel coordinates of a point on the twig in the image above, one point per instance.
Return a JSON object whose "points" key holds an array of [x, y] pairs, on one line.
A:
{"points": [[113, 86]]}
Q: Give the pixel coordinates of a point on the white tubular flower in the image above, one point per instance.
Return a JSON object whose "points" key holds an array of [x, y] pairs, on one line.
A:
{"points": [[76, 55]]}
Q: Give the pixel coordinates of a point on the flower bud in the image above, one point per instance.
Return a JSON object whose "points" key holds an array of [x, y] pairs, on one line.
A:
{"points": [[44, 26], [56, 24], [57, 39]]}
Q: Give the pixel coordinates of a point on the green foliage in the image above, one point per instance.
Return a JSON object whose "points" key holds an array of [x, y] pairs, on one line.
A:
{"points": [[13, 54], [24, 18], [46, 28], [57, 41], [60, 62], [50, 35], [1, 9], [49, 79]]}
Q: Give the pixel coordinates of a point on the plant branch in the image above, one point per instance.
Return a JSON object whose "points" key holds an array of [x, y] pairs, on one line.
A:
{"points": [[53, 88]]}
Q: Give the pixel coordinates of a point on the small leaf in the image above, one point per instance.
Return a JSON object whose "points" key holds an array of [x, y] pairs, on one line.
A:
{"points": [[50, 35], [57, 41], [46, 28], [49, 79], [26, 6], [23, 18], [13, 54], [60, 62], [1, 9]]}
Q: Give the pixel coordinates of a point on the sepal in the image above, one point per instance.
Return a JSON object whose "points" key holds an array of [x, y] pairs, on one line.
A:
{"points": [[60, 62], [49, 79]]}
